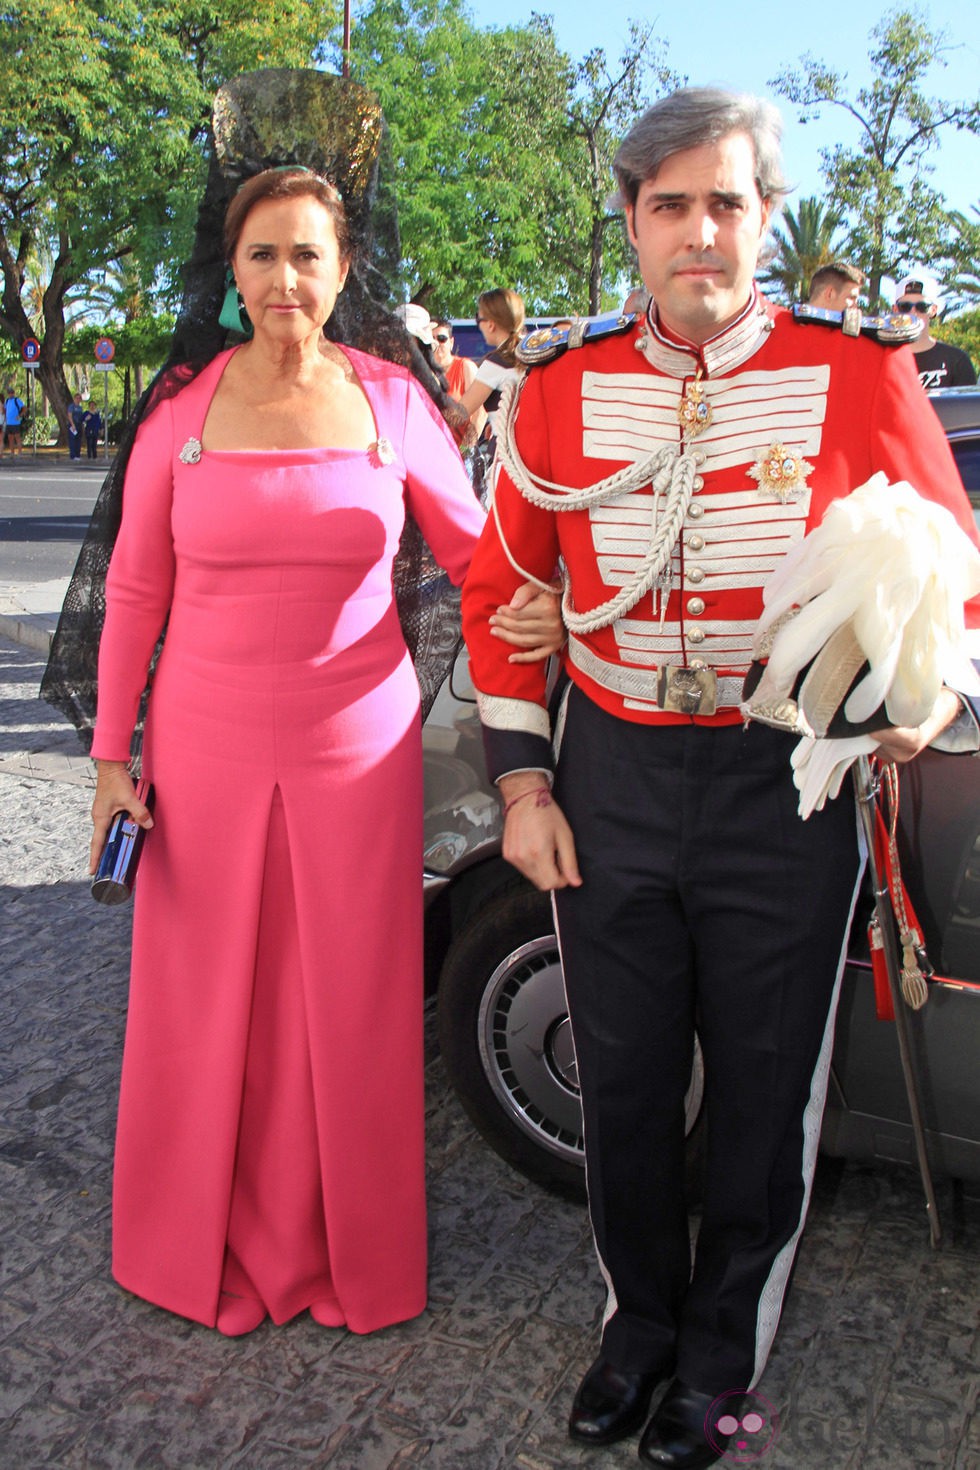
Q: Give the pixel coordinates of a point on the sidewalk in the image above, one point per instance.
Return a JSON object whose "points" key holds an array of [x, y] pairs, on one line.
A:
{"points": [[876, 1364], [29, 613], [48, 455]]}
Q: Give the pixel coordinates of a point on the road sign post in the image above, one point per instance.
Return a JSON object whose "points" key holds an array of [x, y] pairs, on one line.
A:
{"points": [[105, 351], [30, 351]]}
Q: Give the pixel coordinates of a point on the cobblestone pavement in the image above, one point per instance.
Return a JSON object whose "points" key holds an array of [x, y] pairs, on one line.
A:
{"points": [[876, 1363]]}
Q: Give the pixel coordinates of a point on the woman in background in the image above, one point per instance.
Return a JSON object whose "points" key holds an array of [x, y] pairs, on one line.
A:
{"points": [[500, 317], [460, 373]]}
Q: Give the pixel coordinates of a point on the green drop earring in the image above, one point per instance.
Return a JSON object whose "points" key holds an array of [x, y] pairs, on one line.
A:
{"points": [[233, 316]]}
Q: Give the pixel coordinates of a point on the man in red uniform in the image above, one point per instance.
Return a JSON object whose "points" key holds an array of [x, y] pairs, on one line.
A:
{"points": [[669, 463]]}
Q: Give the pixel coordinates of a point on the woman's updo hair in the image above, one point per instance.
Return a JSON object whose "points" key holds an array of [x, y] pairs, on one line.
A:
{"points": [[505, 308], [292, 182]]}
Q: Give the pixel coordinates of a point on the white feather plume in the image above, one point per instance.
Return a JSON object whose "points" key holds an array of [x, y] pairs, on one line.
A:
{"points": [[897, 568]]}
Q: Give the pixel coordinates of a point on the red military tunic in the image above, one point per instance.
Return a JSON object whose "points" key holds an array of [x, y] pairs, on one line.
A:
{"points": [[844, 407]]}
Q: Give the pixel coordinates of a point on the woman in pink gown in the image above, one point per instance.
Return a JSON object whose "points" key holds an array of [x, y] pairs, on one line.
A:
{"points": [[269, 1153]]}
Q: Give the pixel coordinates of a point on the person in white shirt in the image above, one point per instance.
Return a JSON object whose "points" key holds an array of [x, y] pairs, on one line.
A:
{"points": [[500, 317]]}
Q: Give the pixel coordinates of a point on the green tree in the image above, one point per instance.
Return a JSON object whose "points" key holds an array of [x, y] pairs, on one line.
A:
{"points": [[498, 152], [963, 330], [895, 216], [804, 240], [607, 100], [103, 114], [139, 344], [472, 120], [965, 282], [121, 298]]}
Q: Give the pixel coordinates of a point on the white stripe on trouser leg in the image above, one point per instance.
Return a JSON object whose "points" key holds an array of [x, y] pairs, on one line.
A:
{"points": [[611, 1302], [771, 1299]]}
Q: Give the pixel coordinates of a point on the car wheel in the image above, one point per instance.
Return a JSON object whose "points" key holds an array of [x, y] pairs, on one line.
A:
{"points": [[506, 1040]]}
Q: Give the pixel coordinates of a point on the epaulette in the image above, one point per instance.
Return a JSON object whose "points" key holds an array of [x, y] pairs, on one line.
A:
{"points": [[550, 342], [891, 327]]}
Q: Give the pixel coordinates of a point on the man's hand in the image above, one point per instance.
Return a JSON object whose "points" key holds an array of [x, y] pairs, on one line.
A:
{"points": [[530, 621], [902, 743], [537, 838]]}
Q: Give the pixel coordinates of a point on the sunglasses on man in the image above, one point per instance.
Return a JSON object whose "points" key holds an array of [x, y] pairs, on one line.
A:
{"points": [[443, 337], [922, 307]]}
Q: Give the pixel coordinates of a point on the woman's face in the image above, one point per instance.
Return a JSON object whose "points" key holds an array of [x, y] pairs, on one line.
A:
{"points": [[492, 334], [442, 345], [288, 267]]}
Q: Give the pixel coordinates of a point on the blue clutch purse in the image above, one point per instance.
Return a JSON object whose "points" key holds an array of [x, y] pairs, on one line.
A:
{"points": [[116, 873]]}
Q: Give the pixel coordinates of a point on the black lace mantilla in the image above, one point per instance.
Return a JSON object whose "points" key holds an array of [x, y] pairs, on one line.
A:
{"points": [[261, 120]]}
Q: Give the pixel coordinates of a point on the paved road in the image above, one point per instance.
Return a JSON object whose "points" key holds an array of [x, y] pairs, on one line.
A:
{"points": [[876, 1364], [44, 510]]}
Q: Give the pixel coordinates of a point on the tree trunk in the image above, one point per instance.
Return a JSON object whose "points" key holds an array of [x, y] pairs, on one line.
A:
{"points": [[598, 223], [50, 373], [595, 266], [52, 369]]}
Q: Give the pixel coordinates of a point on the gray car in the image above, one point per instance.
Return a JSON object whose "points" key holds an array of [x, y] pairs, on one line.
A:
{"points": [[493, 957]]}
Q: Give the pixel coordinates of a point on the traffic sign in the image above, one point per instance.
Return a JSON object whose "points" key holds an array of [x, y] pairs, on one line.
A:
{"points": [[105, 349], [30, 349]]}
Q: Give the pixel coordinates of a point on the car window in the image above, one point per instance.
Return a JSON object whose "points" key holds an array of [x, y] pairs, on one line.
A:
{"points": [[966, 452]]}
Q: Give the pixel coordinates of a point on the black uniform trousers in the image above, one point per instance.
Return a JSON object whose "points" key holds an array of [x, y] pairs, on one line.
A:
{"points": [[705, 896]]}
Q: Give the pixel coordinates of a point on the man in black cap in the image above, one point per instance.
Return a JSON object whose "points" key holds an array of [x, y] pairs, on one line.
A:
{"points": [[939, 364]]}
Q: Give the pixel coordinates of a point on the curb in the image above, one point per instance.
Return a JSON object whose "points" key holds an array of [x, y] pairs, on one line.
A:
{"points": [[34, 633]]}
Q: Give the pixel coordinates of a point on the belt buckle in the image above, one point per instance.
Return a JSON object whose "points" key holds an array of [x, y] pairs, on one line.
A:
{"points": [[687, 689]]}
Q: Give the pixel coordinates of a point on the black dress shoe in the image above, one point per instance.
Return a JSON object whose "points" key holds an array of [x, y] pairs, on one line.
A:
{"points": [[610, 1404], [677, 1435]]}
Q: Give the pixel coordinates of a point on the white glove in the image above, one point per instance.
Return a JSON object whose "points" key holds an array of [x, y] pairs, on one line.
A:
{"points": [[819, 768]]}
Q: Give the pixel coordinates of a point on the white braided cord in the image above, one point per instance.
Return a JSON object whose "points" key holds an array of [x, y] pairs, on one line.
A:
{"points": [[674, 480], [671, 474], [547, 495]]}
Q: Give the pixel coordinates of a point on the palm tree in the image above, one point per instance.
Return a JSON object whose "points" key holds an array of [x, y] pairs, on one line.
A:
{"points": [[125, 299], [804, 242]]}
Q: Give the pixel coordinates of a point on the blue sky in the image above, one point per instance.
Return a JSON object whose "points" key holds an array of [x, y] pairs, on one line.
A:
{"points": [[718, 45]]}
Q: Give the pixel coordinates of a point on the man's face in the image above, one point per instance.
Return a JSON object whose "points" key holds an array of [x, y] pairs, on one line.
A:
{"points": [[915, 305], [838, 295], [697, 228]]}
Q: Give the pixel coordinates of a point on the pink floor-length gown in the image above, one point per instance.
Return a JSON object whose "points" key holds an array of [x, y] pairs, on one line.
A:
{"points": [[270, 1137]]}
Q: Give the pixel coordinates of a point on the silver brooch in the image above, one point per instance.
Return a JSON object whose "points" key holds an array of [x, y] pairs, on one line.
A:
{"points": [[385, 451], [191, 452]]}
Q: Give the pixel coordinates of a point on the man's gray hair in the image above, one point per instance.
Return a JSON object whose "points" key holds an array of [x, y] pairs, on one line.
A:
{"points": [[690, 118]]}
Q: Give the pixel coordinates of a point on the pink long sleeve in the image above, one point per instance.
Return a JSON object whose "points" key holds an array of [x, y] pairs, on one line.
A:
{"points": [[439, 492], [139, 585], [437, 488]]}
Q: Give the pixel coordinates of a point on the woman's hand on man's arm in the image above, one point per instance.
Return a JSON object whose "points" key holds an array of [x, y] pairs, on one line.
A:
{"points": [[531, 621]]}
